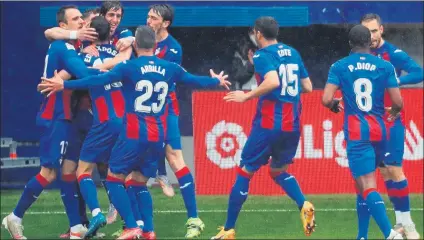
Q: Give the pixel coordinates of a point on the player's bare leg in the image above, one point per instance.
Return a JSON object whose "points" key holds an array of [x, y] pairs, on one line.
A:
{"points": [[89, 192], [112, 214], [289, 184], [13, 222], [69, 193], [393, 177], [368, 188], [120, 199], [194, 224]]}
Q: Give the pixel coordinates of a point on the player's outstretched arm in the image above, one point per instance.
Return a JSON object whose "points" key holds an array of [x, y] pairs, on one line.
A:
{"points": [[204, 81], [63, 75], [306, 85], [120, 57], [83, 34]]}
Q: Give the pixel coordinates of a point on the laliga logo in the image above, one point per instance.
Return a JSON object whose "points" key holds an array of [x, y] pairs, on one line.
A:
{"points": [[225, 143]]}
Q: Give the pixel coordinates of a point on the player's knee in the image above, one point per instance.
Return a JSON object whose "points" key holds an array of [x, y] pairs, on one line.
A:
{"points": [[68, 167], [137, 176], [366, 181], [395, 173], [48, 173], [84, 168]]}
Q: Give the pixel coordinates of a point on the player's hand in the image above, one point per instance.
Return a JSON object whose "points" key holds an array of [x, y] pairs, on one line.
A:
{"points": [[124, 43], [92, 50], [87, 34], [336, 106], [222, 79], [236, 96], [391, 115], [51, 85]]}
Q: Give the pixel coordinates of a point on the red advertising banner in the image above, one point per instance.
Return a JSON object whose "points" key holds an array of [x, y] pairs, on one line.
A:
{"points": [[320, 165]]}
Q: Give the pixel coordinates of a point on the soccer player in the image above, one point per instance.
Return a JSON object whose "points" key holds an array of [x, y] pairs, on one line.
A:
{"points": [[392, 172], [143, 134], [275, 133], [54, 119], [363, 80], [160, 18]]}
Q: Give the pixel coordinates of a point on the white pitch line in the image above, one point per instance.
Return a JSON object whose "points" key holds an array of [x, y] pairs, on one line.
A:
{"points": [[223, 211]]}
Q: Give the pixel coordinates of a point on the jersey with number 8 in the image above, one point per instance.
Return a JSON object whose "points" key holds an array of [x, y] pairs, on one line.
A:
{"points": [[280, 108], [363, 80]]}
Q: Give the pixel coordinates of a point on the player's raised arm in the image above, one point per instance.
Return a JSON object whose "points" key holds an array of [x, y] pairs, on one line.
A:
{"points": [[330, 89], [203, 81], [401, 60], [73, 63], [83, 34]]}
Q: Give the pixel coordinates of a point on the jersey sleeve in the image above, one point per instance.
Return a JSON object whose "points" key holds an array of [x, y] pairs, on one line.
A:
{"points": [[392, 79], [72, 62], [263, 64], [118, 73], [333, 77], [182, 76], [401, 60], [125, 33]]}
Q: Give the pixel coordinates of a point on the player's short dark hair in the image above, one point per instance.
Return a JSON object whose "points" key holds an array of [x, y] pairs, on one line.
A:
{"points": [[90, 11], [166, 11], [359, 36], [111, 5], [60, 14], [371, 16], [102, 27], [268, 26], [145, 37]]}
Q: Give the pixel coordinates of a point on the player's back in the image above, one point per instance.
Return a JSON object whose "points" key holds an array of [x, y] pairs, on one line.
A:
{"points": [[280, 109], [58, 105], [108, 101], [363, 79]]}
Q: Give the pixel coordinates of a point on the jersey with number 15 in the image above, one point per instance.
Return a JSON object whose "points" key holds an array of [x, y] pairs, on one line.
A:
{"points": [[279, 109], [363, 79]]}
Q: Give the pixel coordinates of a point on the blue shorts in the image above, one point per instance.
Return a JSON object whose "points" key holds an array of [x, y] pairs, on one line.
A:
{"points": [[135, 155], [265, 143], [173, 136], [100, 140], [54, 143], [364, 156], [80, 127], [395, 145]]}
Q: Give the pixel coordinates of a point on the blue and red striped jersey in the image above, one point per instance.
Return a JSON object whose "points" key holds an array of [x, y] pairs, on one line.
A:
{"points": [[363, 80], [118, 34], [61, 55], [170, 50], [402, 62], [146, 82], [108, 100], [280, 109]]}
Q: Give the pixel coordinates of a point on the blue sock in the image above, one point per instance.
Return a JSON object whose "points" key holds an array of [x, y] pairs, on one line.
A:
{"points": [[69, 194], [162, 166], [291, 187], [145, 204], [119, 198], [400, 192], [378, 210], [363, 217], [132, 194], [238, 196], [89, 191], [393, 200], [82, 207], [31, 192], [188, 191]]}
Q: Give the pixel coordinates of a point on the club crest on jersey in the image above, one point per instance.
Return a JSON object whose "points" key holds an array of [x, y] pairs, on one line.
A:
{"points": [[69, 46]]}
